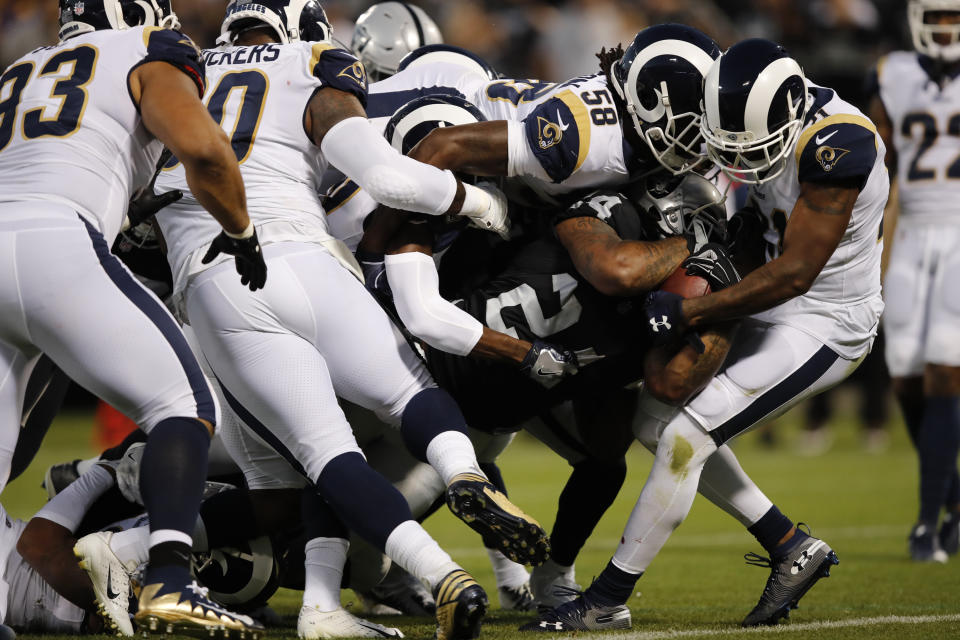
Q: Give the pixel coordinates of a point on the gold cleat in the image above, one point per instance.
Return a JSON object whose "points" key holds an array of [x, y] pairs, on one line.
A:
{"points": [[190, 612], [486, 510], [461, 606]]}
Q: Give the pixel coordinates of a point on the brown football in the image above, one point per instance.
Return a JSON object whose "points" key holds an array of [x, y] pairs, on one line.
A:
{"points": [[686, 286]]}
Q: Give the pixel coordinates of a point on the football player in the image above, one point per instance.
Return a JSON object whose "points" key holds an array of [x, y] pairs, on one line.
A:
{"points": [[915, 111], [73, 149], [388, 31], [818, 188], [284, 355]]}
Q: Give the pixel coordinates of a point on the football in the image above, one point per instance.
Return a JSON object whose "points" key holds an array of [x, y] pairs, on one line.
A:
{"points": [[686, 286]]}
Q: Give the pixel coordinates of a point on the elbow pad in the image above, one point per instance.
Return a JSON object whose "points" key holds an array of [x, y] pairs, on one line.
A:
{"points": [[358, 150], [426, 314]]}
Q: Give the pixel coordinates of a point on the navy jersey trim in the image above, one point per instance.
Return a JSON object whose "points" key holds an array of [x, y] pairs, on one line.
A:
{"points": [[839, 147], [154, 310], [382, 105]]}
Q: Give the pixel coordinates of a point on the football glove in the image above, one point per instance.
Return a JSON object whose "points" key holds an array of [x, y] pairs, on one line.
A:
{"points": [[247, 254], [745, 230], [665, 322], [494, 216], [128, 472], [549, 365], [145, 204], [712, 262]]}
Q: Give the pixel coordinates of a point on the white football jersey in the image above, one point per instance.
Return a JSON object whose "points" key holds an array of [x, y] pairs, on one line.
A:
{"points": [[70, 133], [259, 95], [836, 142], [925, 118]]}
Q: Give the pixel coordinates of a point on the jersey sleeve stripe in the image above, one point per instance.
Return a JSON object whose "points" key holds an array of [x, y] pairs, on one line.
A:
{"points": [[839, 118], [582, 118], [318, 50], [340, 196]]}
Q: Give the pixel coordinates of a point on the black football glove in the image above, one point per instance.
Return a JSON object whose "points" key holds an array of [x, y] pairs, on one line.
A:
{"points": [[145, 204], [549, 365], [712, 262], [247, 254], [745, 231], [665, 321]]}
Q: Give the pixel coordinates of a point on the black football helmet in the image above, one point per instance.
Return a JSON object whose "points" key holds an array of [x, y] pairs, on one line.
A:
{"points": [[84, 16], [659, 80], [755, 98], [292, 20], [471, 62], [413, 121]]}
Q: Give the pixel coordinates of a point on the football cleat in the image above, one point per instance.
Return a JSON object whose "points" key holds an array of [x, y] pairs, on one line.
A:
{"points": [[339, 623], [582, 613], [517, 598], [791, 576], [924, 545], [59, 476], [553, 585], [110, 578], [949, 534], [398, 593], [185, 609], [461, 606], [486, 510]]}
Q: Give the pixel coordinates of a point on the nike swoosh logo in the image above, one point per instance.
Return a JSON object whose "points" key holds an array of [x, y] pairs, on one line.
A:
{"points": [[563, 127], [383, 633], [541, 372], [110, 592], [820, 140]]}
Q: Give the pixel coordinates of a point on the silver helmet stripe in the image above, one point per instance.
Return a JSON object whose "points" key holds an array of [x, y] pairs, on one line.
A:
{"points": [[762, 92]]}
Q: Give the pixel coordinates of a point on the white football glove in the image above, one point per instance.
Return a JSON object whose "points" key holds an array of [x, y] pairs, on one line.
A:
{"points": [[486, 206], [128, 473]]}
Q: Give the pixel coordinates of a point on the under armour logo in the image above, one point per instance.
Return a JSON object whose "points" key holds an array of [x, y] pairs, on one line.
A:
{"points": [[556, 626], [662, 323], [798, 565]]}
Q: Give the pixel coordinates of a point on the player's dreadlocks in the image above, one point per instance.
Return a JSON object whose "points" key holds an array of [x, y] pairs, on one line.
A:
{"points": [[607, 58]]}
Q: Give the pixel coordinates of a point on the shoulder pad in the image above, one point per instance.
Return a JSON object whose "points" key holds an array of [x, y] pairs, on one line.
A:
{"points": [[173, 47], [838, 147], [338, 69], [558, 133]]}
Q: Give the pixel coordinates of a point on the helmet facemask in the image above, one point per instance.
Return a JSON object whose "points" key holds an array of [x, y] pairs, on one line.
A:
{"points": [[120, 15], [926, 34]]}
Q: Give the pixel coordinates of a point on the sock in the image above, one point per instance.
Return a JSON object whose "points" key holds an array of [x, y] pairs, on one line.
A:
{"points": [[912, 409], [770, 529], [324, 572], [429, 413], [952, 501], [614, 586], [552, 569], [507, 572], [411, 547], [938, 445], [589, 492], [364, 501], [319, 519], [172, 472], [450, 454], [228, 518]]}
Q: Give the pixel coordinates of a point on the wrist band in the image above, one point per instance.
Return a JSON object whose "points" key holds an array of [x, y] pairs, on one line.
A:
{"points": [[476, 201], [243, 235]]}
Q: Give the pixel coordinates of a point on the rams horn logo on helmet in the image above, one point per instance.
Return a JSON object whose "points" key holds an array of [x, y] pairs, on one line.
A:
{"points": [[549, 133], [355, 72], [828, 157]]}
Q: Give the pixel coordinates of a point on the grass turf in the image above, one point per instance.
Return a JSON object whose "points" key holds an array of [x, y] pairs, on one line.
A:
{"points": [[862, 504]]}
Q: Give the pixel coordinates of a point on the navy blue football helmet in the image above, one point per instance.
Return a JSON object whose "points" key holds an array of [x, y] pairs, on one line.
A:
{"points": [[84, 16], [659, 80], [292, 20], [413, 121], [471, 62], [755, 99]]}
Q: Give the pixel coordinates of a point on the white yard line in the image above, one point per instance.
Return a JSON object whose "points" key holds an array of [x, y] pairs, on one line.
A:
{"points": [[780, 629]]}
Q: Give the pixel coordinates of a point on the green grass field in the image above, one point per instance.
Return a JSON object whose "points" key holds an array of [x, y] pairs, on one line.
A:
{"points": [[862, 504]]}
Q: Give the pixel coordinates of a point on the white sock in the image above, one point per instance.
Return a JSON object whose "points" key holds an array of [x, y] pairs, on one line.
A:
{"points": [[667, 495], [507, 572], [324, 572], [132, 547], [553, 570], [451, 453], [411, 547]]}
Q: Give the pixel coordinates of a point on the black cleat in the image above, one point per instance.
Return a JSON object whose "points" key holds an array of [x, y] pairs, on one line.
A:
{"points": [[949, 533], [791, 576], [581, 614], [924, 545], [486, 510], [461, 606]]}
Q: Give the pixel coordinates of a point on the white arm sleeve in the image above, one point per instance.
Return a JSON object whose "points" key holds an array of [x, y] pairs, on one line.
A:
{"points": [[416, 294], [357, 149], [520, 158], [68, 507]]}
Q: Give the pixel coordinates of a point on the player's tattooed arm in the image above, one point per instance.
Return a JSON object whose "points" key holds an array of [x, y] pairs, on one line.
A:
{"points": [[327, 107], [675, 376], [618, 267], [816, 226], [479, 149]]}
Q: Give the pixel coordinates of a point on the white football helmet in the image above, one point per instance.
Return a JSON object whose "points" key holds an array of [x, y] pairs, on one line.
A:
{"points": [[388, 31], [292, 20], [755, 99], [925, 34]]}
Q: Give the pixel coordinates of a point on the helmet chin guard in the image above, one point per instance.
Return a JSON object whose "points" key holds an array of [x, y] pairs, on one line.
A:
{"points": [[925, 35]]}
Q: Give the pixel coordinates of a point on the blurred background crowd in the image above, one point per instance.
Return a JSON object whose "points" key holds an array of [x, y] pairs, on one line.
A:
{"points": [[836, 41]]}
